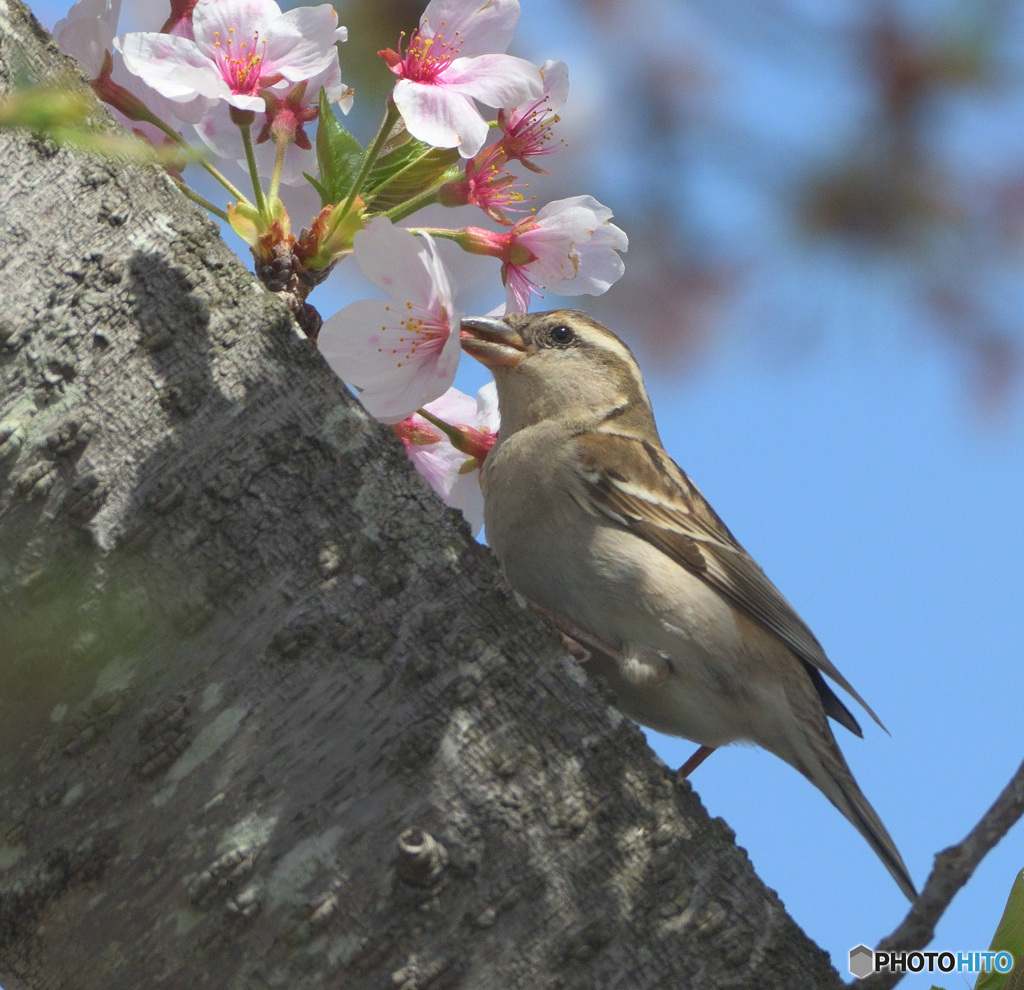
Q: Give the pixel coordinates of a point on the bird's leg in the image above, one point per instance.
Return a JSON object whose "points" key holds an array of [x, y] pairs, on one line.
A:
{"points": [[580, 643], [695, 761], [576, 640], [575, 649]]}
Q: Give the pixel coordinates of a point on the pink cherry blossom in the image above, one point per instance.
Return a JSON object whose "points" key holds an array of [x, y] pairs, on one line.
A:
{"points": [[404, 353], [87, 33], [454, 474], [569, 247], [529, 128], [574, 247], [239, 47], [487, 185], [456, 57]]}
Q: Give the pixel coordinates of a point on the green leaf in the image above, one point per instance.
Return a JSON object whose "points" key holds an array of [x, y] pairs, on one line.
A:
{"points": [[1009, 937], [318, 186], [338, 155], [406, 169]]}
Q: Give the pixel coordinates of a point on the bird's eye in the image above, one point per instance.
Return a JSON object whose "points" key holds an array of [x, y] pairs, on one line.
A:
{"points": [[561, 335]]}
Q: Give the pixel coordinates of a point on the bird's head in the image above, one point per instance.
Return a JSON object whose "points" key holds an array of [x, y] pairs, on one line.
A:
{"points": [[561, 365]]}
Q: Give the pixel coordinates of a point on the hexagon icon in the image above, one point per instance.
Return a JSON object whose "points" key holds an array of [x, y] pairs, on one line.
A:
{"points": [[862, 961]]}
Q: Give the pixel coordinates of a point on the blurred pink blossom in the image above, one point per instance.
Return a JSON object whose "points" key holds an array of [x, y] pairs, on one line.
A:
{"points": [[87, 33]]}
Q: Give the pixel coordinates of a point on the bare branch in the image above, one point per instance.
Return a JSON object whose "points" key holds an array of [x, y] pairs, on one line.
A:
{"points": [[953, 868]]}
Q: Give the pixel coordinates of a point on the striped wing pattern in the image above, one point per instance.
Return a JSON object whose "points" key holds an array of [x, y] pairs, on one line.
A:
{"points": [[658, 502]]}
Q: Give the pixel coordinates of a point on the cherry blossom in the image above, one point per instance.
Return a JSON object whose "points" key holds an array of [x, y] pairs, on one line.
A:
{"points": [[528, 128], [248, 76], [404, 353], [87, 33], [239, 47], [453, 473], [455, 57], [569, 244], [487, 185]]}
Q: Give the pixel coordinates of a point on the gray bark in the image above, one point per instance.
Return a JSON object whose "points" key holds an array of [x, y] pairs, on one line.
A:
{"points": [[244, 650]]}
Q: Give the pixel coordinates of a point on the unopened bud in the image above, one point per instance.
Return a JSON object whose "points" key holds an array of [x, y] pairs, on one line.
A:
{"points": [[415, 433], [477, 240], [454, 194]]}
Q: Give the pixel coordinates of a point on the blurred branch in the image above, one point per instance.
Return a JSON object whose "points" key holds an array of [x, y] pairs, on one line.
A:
{"points": [[953, 868], [902, 166]]}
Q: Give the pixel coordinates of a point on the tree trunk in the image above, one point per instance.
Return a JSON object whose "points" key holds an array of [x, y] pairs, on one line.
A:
{"points": [[268, 716]]}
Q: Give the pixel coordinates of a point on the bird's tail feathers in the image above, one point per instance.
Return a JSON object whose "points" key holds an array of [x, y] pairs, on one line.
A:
{"points": [[831, 775]]}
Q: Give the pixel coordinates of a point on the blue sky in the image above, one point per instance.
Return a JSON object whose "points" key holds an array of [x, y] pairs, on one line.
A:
{"points": [[859, 474]]}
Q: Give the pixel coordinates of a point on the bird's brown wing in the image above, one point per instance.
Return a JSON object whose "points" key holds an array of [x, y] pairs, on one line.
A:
{"points": [[657, 501]]}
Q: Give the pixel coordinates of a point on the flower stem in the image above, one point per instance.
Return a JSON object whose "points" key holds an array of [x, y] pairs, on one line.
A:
{"points": [[250, 158], [275, 179], [446, 428], [201, 200], [409, 207], [198, 159], [443, 232]]}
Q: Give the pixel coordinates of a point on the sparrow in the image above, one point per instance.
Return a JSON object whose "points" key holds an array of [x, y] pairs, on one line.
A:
{"points": [[595, 524]]}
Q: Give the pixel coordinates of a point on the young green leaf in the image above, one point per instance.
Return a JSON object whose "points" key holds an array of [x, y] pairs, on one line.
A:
{"points": [[318, 186], [407, 169], [1009, 937], [338, 155]]}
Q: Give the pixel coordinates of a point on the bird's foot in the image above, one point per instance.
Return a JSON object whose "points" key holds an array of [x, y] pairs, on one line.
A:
{"points": [[580, 643], [575, 649]]}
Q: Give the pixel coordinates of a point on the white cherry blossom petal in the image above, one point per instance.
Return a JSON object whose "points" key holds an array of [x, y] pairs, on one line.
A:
{"points": [[301, 44], [397, 261], [483, 25], [403, 353], [440, 117], [494, 80], [88, 32], [172, 65]]}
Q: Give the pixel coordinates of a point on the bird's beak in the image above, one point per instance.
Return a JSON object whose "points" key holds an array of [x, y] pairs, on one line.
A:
{"points": [[492, 342]]}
